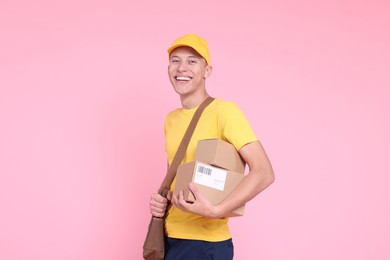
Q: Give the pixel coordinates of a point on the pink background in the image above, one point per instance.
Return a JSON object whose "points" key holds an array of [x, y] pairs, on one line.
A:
{"points": [[83, 96]]}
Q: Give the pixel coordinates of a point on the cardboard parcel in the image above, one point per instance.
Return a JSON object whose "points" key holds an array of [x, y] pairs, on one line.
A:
{"points": [[215, 181], [219, 153]]}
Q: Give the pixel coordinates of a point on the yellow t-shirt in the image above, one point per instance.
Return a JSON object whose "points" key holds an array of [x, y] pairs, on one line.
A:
{"points": [[223, 120]]}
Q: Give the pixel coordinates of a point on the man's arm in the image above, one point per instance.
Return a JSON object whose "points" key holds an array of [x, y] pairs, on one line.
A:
{"points": [[259, 177], [158, 204]]}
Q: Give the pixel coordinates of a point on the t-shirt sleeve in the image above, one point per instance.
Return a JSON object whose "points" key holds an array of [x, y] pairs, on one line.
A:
{"points": [[235, 126], [165, 133]]}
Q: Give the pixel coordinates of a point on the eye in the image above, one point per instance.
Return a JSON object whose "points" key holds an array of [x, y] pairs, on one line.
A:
{"points": [[192, 61], [175, 61]]}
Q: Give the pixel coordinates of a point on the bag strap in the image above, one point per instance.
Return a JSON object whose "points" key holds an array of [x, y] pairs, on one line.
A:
{"points": [[171, 173]]}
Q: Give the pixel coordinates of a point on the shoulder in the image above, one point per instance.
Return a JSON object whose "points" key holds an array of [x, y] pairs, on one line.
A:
{"points": [[173, 113], [226, 107]]}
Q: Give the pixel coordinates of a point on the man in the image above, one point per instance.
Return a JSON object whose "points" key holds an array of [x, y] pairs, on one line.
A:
{"points": [[199, 230]]}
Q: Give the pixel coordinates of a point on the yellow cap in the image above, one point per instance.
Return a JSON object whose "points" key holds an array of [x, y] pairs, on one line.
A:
{"points": [[195, 42]]}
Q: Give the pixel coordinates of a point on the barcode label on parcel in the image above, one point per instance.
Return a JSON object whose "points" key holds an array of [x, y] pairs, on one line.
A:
{"points": [[210, 176]]}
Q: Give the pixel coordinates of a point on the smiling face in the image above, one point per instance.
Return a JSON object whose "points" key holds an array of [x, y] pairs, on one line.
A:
{"points": [[187, 72]]}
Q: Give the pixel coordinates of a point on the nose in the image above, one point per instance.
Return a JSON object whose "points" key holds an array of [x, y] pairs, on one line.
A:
{"points": [[182, 66]]}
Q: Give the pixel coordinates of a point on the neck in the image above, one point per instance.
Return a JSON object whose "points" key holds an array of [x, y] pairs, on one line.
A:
{"points": [[193, 101]]}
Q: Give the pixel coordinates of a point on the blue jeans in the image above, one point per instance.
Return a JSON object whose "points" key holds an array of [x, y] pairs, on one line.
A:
{"points": [[183, 249]]}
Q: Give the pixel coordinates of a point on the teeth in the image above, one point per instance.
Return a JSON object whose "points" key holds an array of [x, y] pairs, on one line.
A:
{"points": [[183, 78]]}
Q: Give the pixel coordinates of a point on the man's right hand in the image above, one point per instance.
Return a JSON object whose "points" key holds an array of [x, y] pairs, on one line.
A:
{"points": [[158, 204]]}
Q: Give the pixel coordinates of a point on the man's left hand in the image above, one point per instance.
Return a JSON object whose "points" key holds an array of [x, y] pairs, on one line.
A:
{"points": [[201, 206]]}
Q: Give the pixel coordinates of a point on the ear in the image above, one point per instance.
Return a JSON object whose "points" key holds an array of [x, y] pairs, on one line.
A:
{"points": [[208, 71]]}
